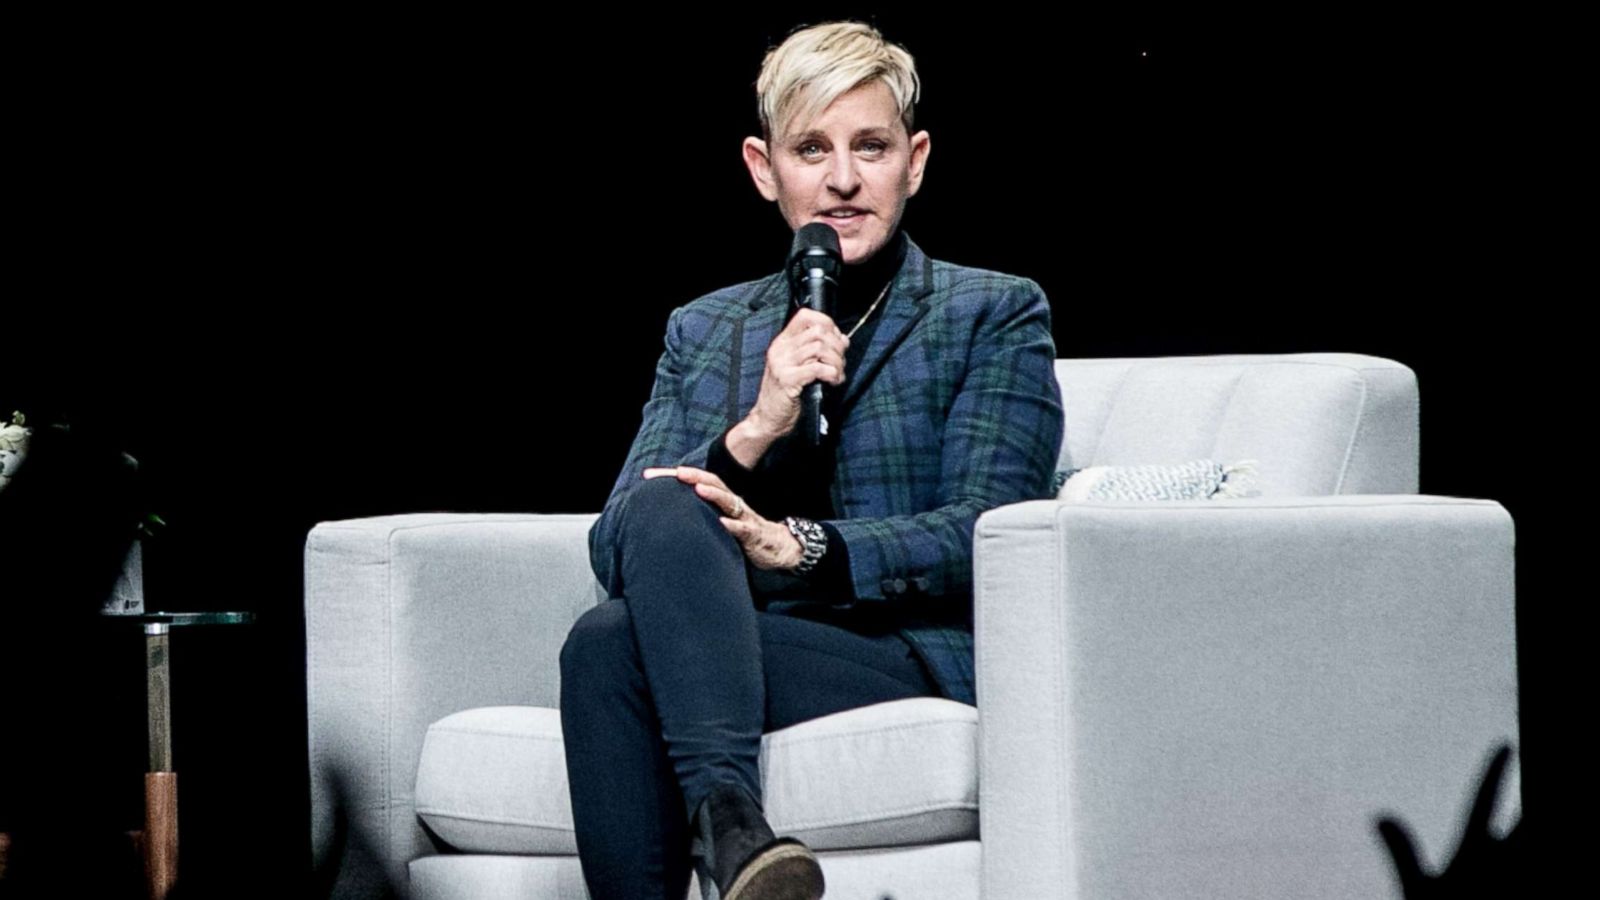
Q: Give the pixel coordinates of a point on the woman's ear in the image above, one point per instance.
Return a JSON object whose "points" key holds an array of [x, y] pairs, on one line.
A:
{"points": [[920, 145], [759, 162]]}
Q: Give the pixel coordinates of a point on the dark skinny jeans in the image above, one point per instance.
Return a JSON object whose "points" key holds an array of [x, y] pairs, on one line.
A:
{"points": [[667, 689]]}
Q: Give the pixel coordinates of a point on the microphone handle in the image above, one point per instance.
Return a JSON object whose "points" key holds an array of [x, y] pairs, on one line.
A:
{"points": [[811, 413], [817, 298]]}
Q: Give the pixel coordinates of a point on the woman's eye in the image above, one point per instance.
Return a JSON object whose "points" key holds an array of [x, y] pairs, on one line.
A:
{"points": [[810, 151], [874, 147]]}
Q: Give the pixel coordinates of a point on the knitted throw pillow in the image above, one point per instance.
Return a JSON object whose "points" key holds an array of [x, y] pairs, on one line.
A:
{"points": [[1200, 479]]}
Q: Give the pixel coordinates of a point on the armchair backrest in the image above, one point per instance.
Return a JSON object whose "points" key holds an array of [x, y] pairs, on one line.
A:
{"points": [[1317, 423]]}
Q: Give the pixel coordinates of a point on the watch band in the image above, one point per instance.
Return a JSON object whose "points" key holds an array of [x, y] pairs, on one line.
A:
{"points": [[813, 541]]}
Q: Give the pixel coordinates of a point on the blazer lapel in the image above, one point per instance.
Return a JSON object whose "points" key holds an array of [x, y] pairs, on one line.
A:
{"points": [[906, 303]]}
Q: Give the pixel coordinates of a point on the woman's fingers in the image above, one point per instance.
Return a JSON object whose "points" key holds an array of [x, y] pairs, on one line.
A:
{"points": [[720, 496], [688, 475], [692, 475]]}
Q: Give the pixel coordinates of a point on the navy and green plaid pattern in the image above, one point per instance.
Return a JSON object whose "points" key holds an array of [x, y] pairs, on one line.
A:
{"points": [[953, 410]]}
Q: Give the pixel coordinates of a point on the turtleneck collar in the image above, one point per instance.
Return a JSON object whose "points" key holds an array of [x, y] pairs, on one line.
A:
{"points": [[861, 284]]}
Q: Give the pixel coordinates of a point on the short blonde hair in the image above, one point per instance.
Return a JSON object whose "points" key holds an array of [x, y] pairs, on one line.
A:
{"points": [[816, 65]]}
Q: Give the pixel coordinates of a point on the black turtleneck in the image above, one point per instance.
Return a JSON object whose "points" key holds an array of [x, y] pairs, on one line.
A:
{"points": [[793, 480], [861, 283]]}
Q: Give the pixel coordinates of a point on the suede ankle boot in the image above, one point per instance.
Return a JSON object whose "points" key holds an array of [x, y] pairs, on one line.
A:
{"points": [[744, 858]]}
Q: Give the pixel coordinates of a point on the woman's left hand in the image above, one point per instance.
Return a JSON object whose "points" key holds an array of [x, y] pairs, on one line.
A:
{"points": [[767, 544]]}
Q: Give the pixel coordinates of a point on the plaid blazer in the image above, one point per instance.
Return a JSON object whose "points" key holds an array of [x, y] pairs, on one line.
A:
{"points": [[953, 410]]}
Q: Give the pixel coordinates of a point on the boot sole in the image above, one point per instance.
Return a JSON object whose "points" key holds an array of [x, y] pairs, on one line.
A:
{"points": [[782, 872]]}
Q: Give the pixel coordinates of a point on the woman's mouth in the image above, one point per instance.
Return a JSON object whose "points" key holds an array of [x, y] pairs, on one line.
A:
{"points": [[844, 218]]}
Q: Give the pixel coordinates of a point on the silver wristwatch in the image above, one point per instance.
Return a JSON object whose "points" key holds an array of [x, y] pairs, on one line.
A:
{"points": [[813, 541]]}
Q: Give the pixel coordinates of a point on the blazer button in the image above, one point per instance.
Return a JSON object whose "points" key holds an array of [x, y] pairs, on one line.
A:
{"points": [[899, 585], [920, 583], [888, 586]]}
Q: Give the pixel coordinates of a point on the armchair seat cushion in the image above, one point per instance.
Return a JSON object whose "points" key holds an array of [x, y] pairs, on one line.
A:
{"points": [[494, 779]]}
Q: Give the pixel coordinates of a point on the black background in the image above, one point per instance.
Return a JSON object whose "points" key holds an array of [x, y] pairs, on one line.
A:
{"points": [[307, 269]]}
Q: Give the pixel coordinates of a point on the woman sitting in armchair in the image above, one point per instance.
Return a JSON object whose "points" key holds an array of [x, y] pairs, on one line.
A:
{"points": [[757, 579]]}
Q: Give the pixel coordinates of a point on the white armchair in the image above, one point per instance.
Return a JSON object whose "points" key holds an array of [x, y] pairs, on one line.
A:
{"points": [[1196, 699]]}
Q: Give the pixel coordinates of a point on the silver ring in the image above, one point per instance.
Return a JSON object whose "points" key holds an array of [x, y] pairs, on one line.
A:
{"points": [[738, 507]]}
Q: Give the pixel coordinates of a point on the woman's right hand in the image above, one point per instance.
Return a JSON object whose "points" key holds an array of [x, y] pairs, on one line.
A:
{"points": [[810, 348]]}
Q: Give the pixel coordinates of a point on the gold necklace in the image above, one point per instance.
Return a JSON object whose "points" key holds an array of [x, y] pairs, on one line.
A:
{"points": [[857, 327]]}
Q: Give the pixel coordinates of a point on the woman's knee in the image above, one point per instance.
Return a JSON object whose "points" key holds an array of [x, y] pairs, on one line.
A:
{"points": [[600, 637], [662, 500]]}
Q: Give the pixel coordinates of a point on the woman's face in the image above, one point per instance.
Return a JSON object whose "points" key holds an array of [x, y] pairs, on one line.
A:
{"points": [[854, 167]]}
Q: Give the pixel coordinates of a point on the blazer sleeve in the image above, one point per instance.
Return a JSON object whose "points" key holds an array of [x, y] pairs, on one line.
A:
{"points": [[1002, 439], [662, 440]]}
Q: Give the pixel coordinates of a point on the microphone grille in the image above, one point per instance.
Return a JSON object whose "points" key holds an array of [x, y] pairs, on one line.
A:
{"points": [[815, 236]]}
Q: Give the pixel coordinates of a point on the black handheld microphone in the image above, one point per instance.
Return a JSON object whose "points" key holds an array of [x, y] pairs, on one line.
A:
{"points": [[815, 262]]}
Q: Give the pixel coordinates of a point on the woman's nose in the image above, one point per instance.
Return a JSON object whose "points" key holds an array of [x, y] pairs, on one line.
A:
{"points": [[842, 175]]}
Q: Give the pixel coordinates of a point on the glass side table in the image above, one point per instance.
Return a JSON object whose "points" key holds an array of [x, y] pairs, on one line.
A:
{"points": [[160, 842]]}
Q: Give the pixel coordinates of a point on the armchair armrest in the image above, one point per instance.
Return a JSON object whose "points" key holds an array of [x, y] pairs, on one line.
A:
{"points": [[1217, 698], [410, 618]]}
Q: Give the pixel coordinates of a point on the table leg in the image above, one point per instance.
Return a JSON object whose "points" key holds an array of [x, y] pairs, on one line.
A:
{"points": [[160, 783], [160, 833]]}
